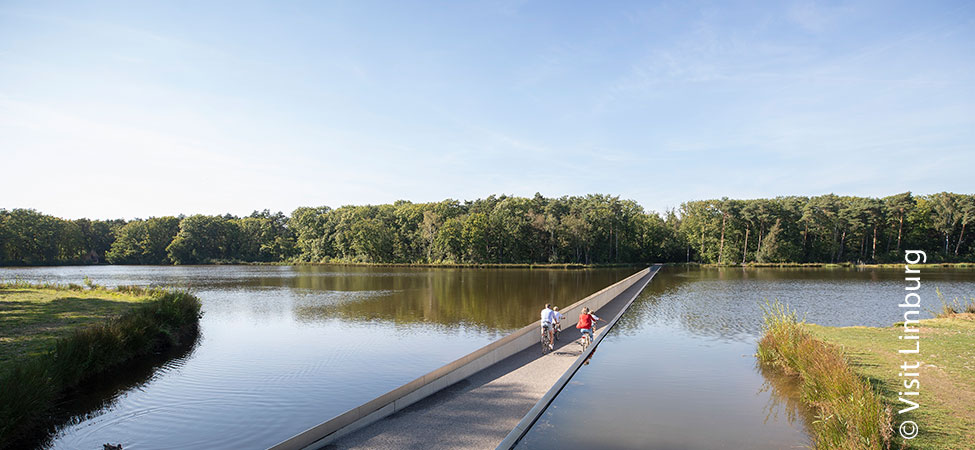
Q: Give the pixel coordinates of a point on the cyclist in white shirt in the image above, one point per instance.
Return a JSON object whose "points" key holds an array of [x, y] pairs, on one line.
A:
{"points": [[548, 323], [558, 320]]}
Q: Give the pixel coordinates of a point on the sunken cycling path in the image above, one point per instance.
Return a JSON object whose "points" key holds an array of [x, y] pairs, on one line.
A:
{"points": [[479, 411]]}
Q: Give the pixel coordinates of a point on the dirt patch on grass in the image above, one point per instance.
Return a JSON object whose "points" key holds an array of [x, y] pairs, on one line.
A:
{"points": [[947, 391]]}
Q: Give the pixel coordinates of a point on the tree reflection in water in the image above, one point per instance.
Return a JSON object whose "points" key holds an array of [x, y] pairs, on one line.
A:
{"points": [[784, 397]]}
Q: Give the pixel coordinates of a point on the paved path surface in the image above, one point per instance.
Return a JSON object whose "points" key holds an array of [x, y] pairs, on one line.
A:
{"points": [[479, 411]]}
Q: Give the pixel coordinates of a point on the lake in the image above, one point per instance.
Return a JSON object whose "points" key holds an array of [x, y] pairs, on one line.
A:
{"points": [[678, 371], [284, 348]]}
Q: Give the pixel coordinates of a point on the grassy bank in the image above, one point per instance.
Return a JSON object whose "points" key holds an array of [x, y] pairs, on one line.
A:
{"points": [[946, 415], [850, 415], [56, 337]]}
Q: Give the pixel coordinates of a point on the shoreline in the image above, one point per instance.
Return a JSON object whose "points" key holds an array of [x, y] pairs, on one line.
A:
{"points": [[958, 265], [833, 363], [850, 412], [465, 265], [955, 265], [126, 326], [364, 264]]}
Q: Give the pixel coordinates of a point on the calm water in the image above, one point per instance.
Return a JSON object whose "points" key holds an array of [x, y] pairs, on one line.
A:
{"points": [[285, 348], [677, 372]]}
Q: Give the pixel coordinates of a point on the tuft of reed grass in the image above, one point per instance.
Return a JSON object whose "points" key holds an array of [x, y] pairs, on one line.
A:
{"points": [[32, 386], [21, 284], [958, 305], [850, 415]]}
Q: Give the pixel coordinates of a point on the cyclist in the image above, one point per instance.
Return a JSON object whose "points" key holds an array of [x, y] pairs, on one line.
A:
{"points": [[548, 323], [586, 321], [557, 326]]}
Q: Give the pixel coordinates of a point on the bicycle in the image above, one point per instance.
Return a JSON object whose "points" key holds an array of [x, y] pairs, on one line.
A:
{"points": [[586, 339], [558, 329], [546, 340]]}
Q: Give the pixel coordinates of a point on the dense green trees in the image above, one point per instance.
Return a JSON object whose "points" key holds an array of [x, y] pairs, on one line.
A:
{"points": [[260, 237], [203, 239], [29, 237], [265, 237], [591, 229], [143, 241], [829, 228]]}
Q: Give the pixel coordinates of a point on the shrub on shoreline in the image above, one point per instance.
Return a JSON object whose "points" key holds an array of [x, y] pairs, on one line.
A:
{"points": [[955, 307], [850, 415], [31, 386]]}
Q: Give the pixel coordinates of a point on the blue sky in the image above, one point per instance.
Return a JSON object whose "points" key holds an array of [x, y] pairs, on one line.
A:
{"points": [[137, 109]]}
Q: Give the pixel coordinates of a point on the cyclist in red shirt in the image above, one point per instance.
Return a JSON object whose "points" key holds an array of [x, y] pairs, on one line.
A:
{"points": [[586, 320]]}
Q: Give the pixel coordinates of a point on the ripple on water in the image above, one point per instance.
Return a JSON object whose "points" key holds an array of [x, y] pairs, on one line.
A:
{"points": [[283, 348]]}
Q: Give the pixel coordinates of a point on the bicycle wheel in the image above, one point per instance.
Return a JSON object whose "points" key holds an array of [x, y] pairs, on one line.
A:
{"points": [[544, 341], [586, 341]]}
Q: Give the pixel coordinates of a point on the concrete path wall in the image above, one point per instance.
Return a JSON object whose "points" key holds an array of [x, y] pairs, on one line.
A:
{"points": [[478, 412], [445, 376], [520, 430]]}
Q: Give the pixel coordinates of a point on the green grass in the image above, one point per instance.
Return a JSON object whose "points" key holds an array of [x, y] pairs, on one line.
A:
{"points": [[946, 415], [33, 318], [849, 414], [57, 337]]}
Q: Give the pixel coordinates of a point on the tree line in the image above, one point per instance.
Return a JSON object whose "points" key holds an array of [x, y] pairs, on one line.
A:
{"points": [[28, 237], [829, 228], [590, 229]]}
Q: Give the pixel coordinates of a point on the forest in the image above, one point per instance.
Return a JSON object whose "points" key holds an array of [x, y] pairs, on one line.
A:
{"points": [[590, 229]]}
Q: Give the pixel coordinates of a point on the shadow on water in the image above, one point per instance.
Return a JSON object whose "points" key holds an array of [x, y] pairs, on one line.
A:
{"points": [[302, 341], [101, 393]]}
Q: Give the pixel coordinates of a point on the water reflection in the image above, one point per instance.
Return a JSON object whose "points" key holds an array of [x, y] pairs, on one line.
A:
{"points": [[285, 348], [722, 303], [490, 298], [678, 370], [105, 393], [783, 398], [589, 358]]}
